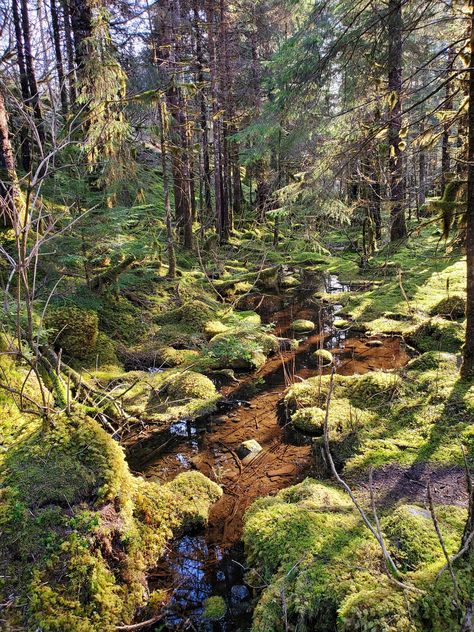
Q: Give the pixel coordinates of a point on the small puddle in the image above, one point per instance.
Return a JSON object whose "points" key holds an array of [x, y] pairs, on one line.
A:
{"points": [[212, 563]]}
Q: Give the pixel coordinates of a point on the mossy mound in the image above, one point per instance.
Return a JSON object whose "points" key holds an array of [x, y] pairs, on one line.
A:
{"points": [[166, 396], [323, 570], [375, 388], [302, 326], [412, 537], [432, 360], [170, 356], [73, 330], [214, 608], [194, 314], [309, 420], [243, 349], [79, 531], [190, 385], [322, 357], [453, 307], [437, 334]]}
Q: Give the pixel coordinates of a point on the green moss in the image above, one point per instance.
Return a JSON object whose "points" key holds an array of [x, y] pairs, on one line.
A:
{"points": [[194, 314], [302, 326], [79, 531], [412, 537], [437, 334], [190, 385], [309, 420], [214, 608], [453, 307], [322, 357], [74, 330], [242, 349]]}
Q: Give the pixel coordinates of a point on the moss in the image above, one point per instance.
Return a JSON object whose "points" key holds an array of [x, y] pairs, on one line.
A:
{"points": [[309, 420], [301, 326], [178, 357], [214, 608], [121, 320], [323, 570], [412, 537], [74, 330], [341, 323], [79, 531], [375, 388], [432, 360], [214, 327], [190, 385], [194, 314], [437, 334], [322, 357], [453, 307], [103, 354], [242, 349]]}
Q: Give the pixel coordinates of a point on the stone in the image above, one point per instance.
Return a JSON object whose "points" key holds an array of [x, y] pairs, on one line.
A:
{"points": [[239, 593], [374, 343], [301, 325], [249, 449]]}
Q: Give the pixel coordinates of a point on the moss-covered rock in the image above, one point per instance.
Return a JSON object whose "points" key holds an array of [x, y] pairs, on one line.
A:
{"points": [[79, 531], [452, 307], [322, 357], [412, 537], [309, 420], [437, 334], [302, 326], [190, 385], [74, 330], [214, 608], [242, 349]]}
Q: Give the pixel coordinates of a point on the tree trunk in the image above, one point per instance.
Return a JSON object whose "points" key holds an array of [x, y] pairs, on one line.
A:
{"points": [[30, 71], [395, 29], [221, 220], [81, 23], [25, 90], [59, 56], [467, 369], [206, 168], [10, 195], [68, 38], [445, 157], [166, 194]]}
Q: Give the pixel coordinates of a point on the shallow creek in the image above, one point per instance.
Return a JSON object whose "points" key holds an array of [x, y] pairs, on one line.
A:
{"points": [[212, 563]]}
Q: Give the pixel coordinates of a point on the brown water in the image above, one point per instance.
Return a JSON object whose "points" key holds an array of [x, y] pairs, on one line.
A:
{"points": [[209, 563]]}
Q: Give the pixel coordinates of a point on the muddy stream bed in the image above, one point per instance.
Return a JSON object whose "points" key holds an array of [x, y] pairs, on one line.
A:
{"points": [[208, 563]]}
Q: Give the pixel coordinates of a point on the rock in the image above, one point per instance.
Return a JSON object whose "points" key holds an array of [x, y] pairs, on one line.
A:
{"points": [[341, 323], [239, 593], [374, 343], [249, 449], [301, 326], [322, 357]]}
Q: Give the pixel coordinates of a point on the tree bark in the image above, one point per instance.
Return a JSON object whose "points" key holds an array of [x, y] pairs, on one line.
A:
{"points": [[9, 189], [445, 157], [25, 90], [467, 368], [221, 219], [68, 38], [59, 56], [30, 71], [206, 167], [395, 29], [166, 194]]}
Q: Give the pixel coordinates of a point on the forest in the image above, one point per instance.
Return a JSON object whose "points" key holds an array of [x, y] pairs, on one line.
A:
{"points": [[237, 315]]}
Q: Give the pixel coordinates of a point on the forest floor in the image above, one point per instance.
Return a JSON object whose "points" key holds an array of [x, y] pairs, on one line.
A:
{"points": [[213, 359]]}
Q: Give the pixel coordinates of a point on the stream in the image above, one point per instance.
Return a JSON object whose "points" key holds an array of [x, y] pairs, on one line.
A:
{"points": [[202, 564]]}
